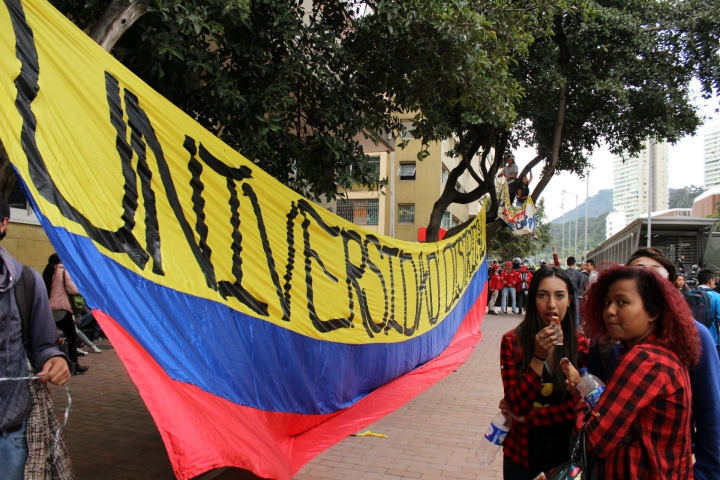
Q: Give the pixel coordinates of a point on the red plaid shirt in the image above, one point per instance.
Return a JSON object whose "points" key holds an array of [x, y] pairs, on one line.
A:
{"points": [[641, 426], [520, 394]]}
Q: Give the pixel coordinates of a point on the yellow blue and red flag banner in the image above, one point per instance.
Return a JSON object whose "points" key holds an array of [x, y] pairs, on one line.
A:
{"points": [[259, 328], [521, 219]]}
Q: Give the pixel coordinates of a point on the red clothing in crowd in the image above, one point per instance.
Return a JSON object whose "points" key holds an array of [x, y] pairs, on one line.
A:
{"points": [[528, 279], [521, 394], [641, 426], [495, 282], [509, 278]]}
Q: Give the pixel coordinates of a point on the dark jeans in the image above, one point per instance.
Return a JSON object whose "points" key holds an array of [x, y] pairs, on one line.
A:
{"points": [[88, 319], [515, 471], [67, 325], [522, 300]]}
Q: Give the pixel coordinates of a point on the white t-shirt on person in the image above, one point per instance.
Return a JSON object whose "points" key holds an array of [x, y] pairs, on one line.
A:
{"points": [[511, 170]]}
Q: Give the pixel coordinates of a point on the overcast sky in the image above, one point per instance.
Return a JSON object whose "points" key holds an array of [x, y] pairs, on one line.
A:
{"points": [[686, 165]]}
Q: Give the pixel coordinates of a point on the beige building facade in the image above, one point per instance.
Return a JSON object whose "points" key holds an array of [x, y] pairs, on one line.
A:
{"points": [[402, 208]]}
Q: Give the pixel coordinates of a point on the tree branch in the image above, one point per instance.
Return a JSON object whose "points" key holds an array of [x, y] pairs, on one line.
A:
{"points": [[117, 18]]}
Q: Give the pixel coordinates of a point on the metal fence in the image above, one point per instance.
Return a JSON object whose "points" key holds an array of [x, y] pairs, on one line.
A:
{"points": [[359, 211]]}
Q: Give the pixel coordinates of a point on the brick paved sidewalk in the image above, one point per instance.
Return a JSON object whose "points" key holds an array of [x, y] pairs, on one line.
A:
{"points": [[112, 436]]}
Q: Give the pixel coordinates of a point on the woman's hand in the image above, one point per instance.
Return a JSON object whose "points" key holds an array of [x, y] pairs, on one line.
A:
{"points": [[545, 341], [505, 410], [572, 377]]}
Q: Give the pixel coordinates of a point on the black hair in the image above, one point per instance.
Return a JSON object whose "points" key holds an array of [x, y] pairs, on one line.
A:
{"points": [[591, 262], [50, 271], [532, 324], [571, 261], [705, 275], [4, 208]]}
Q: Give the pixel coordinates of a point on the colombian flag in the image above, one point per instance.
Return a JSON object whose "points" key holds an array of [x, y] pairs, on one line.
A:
{"points": [[259, 328]]}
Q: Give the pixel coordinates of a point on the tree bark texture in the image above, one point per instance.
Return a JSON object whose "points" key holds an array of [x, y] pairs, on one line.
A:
{"points": [[116, 20]]}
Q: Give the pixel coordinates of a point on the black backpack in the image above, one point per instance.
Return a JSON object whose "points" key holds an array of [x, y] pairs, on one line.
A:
{"points": [[700, 304], [24, 291]]}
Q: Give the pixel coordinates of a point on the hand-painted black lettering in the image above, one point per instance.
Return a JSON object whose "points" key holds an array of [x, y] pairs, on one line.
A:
{"points": [[236, 289], [250, 193], [198, 202], [140, 127], [353, 274], [323, 326]]}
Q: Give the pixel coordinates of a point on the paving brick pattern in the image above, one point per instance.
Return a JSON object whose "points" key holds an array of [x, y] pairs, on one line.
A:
{"points": [[112, 436]]}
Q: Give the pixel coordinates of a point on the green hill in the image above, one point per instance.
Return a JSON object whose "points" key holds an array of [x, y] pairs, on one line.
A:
{"points": [[598, 204]]}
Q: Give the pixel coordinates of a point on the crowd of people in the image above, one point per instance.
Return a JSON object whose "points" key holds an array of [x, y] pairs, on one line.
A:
{"points": [[510, 282], [636, 328]]}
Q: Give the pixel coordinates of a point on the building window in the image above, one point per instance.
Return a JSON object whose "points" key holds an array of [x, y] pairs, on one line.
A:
{"points": [[17, 197], [445, 175], [406, 213], [375, 163], [359, 211], [407, 171], [409, 128], [446, 220]]}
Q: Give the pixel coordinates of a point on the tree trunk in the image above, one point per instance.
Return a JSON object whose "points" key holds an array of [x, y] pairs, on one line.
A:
{"points": [[116, 20]]}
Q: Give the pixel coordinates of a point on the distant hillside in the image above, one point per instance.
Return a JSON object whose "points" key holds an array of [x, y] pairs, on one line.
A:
{"points": [[597, 205]]}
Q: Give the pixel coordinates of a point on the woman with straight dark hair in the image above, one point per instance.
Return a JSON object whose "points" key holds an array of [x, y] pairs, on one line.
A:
{"points": [[641, 427], [535, 395]]}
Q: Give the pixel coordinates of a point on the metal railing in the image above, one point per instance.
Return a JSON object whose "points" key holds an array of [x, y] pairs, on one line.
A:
{"points": [[359, 211]]}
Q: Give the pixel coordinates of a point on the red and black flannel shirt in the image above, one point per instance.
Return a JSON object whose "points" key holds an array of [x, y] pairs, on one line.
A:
{"points": [[641, 426], [520, 393]]}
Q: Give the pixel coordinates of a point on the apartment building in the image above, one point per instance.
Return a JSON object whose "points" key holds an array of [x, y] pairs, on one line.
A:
{"points": [[402, 209], [630, 177], [711, 135]]}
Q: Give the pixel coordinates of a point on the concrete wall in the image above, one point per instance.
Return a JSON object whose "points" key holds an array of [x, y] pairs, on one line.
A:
{"points": [[29, 244]]}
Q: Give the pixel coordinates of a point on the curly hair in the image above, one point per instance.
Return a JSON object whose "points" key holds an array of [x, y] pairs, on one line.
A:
{"points": [[675, 324]]}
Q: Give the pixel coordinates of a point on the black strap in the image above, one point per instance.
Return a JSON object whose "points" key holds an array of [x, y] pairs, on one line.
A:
{"points": [[24, 291]]}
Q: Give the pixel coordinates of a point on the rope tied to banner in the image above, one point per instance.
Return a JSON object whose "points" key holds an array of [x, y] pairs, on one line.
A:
{"points": [[56, 437]]}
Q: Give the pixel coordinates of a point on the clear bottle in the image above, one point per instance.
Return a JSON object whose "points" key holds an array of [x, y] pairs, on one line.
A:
{"points": [[590, 387], [494, 438]]}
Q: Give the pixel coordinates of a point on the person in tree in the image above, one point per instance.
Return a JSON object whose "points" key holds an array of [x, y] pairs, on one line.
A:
{"points": [[522, 189]]}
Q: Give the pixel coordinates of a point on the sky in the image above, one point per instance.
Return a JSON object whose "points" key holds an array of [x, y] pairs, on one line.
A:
{"points": [[686, 166]]}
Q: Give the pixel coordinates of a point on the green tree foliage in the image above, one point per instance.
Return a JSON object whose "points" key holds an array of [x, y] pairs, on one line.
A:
{"points": [[506, 245], [684, 197], [293, 85], [615, 77]]}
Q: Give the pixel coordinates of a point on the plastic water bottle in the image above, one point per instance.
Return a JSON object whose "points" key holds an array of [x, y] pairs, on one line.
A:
{"points": [[590, 387], [494, 438]]}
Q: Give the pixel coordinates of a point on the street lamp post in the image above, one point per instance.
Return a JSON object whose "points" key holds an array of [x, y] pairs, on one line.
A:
{"points": [[576, 222], [587, 202], [563, 228]]}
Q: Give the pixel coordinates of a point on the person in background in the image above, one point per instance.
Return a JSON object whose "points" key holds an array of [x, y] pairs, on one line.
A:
{"points": [[509, 282], [495, 288], [490, 270], [41, 349], [523, 285], [704, 377], [641, 426], [680, 283], [510, 172], [533, 382], [706, 283], [522, 189], [680, 265], [60, 285], [592, 273]]}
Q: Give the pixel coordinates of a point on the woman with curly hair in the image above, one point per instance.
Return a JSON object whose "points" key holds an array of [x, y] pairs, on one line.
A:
{"points": [[640, 427], [535, 396]]}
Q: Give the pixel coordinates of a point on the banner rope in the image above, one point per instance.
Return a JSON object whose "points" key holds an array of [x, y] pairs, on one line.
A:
{"points": [[56, 438]]}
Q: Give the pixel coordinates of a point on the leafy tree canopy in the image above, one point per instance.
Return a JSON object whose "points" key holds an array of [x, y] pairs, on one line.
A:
{"points": [[293, 85]]}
